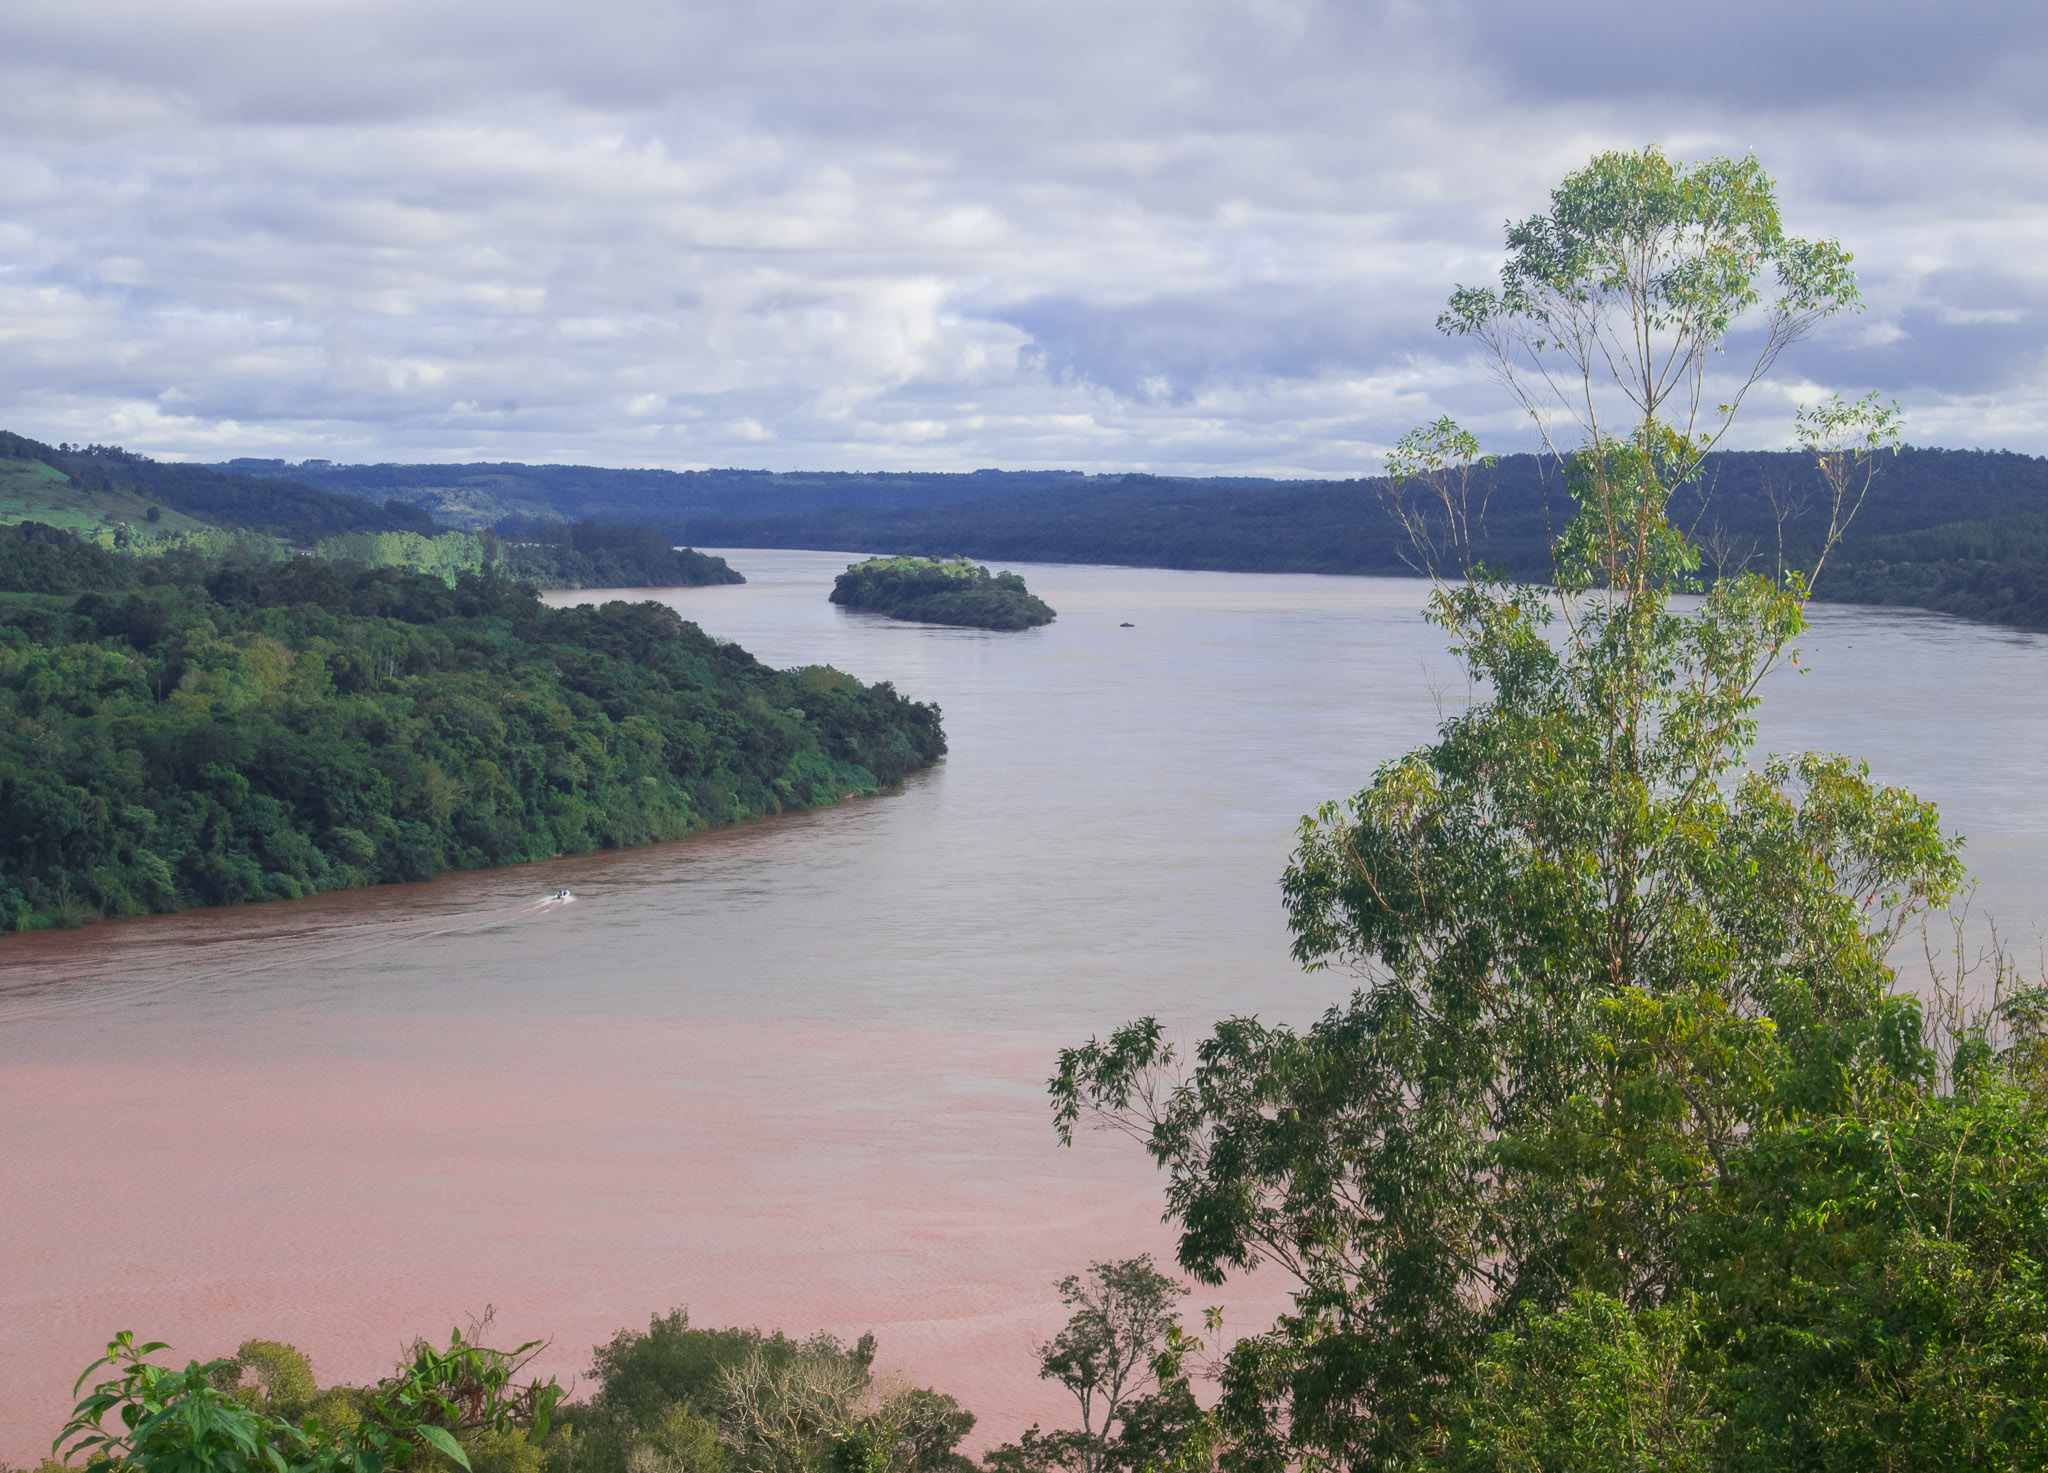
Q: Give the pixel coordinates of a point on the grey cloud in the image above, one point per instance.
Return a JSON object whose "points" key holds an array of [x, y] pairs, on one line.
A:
{"points": [[1168, 347], [1185, 234], [1769, 55]]}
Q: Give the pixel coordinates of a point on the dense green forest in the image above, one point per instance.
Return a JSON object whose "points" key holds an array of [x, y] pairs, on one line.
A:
{"points": [[482, 494], [941, 591], [1993, 570], [190, 731], [1738, 508], [589, 554]]}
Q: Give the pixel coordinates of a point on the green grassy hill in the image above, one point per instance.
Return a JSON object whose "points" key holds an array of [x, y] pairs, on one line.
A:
{"points": [[135, 504], [84, 488], [36, 491]]}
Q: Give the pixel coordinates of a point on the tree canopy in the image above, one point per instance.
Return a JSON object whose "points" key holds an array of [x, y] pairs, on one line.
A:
{"points": [[183, 731], [1613, 1158], [941, 591]]}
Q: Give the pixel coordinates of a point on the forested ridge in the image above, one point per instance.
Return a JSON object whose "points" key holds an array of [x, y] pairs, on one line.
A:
{"points": [[589, 554], [183, 731], [1737, 509], [1948, 530], [482, 494], [1994, 570]]}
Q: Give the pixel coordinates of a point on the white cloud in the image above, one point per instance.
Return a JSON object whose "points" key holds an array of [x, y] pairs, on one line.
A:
{"points": [[1207, 235]]}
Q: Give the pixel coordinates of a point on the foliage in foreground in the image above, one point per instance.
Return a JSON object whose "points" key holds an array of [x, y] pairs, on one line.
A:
{"points": [[675, 1399], [176, 732], [1629, 1152], [203, 1420], [940, 591]]}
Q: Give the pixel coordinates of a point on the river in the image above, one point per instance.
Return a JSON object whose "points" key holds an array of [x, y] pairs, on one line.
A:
{"points": [[793, 1074]]}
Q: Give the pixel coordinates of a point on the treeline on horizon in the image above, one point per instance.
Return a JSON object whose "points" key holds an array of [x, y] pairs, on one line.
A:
{"points": [[274, 506], [1947, 530], [180, 730], [1952, 530], [482, 494]]}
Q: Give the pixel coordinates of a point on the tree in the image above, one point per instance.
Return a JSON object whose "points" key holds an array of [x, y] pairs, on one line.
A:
{"points": [[819, 1408], [1595, 1388], [782, 1412], [1600, 948], [1121, 1355], [1123, 1313], [1627, 290]]}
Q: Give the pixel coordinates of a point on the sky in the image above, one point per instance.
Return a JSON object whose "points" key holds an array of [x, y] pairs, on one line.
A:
{"points": [[1187, 236]]}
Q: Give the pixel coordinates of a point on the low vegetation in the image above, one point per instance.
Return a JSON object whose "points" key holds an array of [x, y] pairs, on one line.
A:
{"points": [[674, 1398], [941, 591], [182, 731]]}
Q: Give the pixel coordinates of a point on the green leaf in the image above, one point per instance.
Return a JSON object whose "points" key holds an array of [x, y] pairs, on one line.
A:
{"points": [[444, 1440]]}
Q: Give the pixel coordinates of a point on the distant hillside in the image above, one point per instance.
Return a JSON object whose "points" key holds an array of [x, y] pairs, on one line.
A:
{"points": [[1995, 571], [485, 494], [1340, 526], [79, 488], [131, 503], [1925, 506]]}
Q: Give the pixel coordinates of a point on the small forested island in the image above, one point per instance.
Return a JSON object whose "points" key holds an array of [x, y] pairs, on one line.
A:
{"points": [[189, 730], [941, 591]]}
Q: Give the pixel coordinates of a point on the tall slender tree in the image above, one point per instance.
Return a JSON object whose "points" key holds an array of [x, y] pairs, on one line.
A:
{"points": [[1599, 943]]}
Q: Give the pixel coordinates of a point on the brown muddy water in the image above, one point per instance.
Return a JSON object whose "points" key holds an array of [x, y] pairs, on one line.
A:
{"points": [[792, 1074]]}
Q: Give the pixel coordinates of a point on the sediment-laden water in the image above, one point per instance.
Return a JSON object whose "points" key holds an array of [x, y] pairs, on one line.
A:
{"points": [[793, 1074]]}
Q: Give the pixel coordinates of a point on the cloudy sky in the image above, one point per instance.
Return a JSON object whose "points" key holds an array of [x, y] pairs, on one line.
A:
{"points": [[1188, 235]]}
